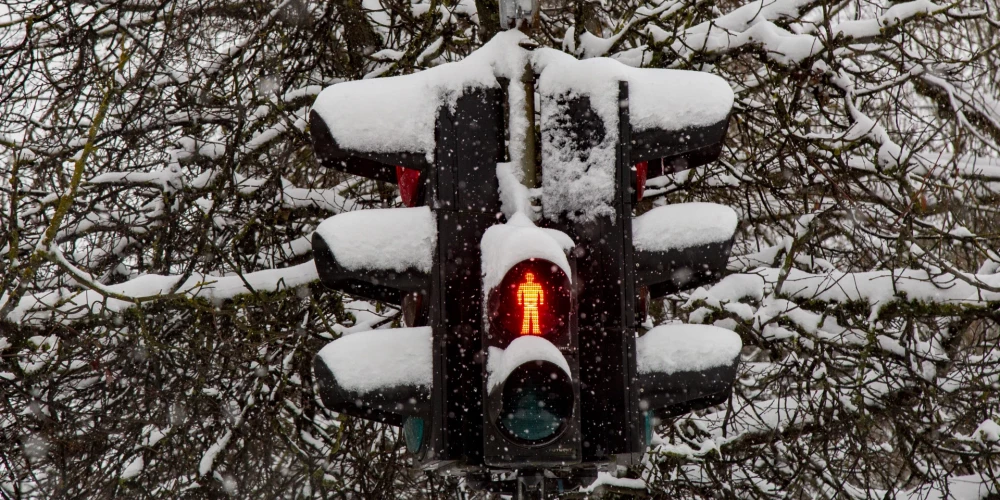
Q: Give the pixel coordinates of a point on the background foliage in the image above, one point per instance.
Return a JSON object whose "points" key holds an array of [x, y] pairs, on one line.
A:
{"points": [[167, 140]]}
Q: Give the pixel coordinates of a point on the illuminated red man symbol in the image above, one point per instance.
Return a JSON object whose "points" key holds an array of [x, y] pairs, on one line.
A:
{"points": [[530, 295]]}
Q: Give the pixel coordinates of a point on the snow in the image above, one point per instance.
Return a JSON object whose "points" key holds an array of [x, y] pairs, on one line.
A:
{"points": [[680, 348], [393, 114], [683, 225], [675, 100], [504, 245], [877, 288], [731, 288], [752, 25], [75, 304], [862, 28], [658, 98], [987, 432], [386, 115], [501, 362], [514, 196], [208, 459], [580, 185], [368, 361], [978, 486], [397, 114], [390, 238], [133, 468], [606, 479], [583, 186]]}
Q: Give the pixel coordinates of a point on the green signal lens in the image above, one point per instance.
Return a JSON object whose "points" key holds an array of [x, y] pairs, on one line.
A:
{"points": [[648, 426], [537, 400], [413, 433], [529, 419]]}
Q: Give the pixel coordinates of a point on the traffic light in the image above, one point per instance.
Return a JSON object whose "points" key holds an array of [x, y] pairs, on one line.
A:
{"points": [[682, 368], [439, 140], [531, 414], [622, 260], [522, 349]]}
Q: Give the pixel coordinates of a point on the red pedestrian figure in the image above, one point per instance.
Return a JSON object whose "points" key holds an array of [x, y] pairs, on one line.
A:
{"points": [[530, 295]]}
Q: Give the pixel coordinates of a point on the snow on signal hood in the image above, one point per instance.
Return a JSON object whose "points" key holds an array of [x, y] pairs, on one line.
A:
{"points": [[386, 239], [683, 225], [500, 363], [403, 359], [686, 348], [398, 114], [504, 245]]}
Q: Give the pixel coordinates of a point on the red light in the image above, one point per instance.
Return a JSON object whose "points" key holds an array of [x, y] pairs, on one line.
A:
{"points": [[530, 296], [409, 185], [532, 299]]}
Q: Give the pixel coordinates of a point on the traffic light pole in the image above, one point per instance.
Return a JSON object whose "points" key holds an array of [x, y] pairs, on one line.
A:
{"points": [[530, 485]]}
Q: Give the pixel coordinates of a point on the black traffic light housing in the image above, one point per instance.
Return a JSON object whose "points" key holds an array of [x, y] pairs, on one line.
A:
{"points": [[388, 388], [615, 397], [461, 193], [531, 413]]}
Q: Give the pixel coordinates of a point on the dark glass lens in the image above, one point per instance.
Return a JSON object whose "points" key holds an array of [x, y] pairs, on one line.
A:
{"points": [[537, 400]]}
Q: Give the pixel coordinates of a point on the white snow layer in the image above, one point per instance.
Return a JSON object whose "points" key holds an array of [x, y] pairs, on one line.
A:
{"points": [[514, 195], [877, 288], [398, 113], [987, 432], [388, 238], [368, 361], [657, 98], [606, 479], [133, 468], [75, 304], [681, 348], [582, 186], [504, 245], [501, 362], [753, 25], [683, 225]]}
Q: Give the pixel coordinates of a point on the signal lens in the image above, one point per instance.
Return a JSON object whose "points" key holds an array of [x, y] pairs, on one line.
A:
{"points": [[532, 299], [409, 185], [536, 401], [530, 295], [413, 433]]}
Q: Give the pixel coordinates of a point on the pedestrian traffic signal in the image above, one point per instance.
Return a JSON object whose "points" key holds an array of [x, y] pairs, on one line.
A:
{"points": [[439, 138], [533, 299], [532, 351], [531, 414]]}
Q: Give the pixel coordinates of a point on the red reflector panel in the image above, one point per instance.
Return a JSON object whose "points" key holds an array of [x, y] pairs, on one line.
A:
{"points": [[409, 185], [532, 299], [641, 170]]}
